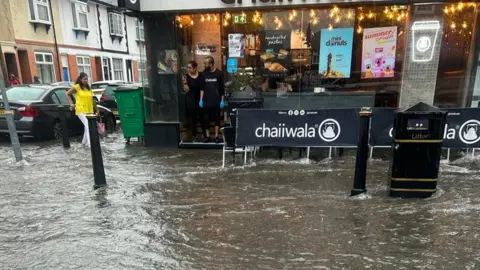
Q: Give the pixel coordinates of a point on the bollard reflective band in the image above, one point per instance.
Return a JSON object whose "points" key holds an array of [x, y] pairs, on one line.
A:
{"points": [[417, 141], [413, 190], [414, 179]]}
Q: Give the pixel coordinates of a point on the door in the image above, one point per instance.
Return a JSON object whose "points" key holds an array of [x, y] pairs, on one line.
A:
{"points": [[66, 72]]}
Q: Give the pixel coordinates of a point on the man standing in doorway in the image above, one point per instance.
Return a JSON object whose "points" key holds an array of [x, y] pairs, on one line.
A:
{"points": [[212, 97]]}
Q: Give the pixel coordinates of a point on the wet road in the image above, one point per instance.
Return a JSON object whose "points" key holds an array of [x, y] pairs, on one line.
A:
{"points": [[177, 209]]}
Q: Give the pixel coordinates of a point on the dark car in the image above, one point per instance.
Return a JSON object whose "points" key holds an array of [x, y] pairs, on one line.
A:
{"points": [[36, 114]]}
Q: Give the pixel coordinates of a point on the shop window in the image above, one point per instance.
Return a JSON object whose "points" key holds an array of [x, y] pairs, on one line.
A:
{"points": [[80, 15], [45, 67], [140, 30], [118, 69], [456, 52], [83, 63], [39, 11], [116, 25]]}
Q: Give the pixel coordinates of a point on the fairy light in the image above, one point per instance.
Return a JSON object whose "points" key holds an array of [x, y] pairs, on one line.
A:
{"points": [[315, 21], [370, 15], [312, 13], [349, 14], [202, 18], [191, 22], [460, 6], [243, 14], [359, 29], [464, 25], [336, 9], [179, 19], [446, 10], [390, 16], [225, 23], [453, 25], [387, 10], [228, 16], [215, 19], [337, 19], [330, 27], [361, 18], [209, 18]]}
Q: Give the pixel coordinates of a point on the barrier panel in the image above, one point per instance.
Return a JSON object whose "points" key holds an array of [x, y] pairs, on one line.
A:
{"points": [[462, 129], [297, 128]]}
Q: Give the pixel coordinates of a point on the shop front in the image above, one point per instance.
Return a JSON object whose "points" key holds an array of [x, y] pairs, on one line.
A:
{"points": [[306, 55]]}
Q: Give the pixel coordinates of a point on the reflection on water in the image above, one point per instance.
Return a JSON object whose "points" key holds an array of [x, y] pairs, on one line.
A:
{"points": [[177, 209]]}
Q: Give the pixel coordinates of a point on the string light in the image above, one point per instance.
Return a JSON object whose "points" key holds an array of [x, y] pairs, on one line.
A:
{"points": [[359, 29], [228, 16], [312, 13], [330, 27], [350, 14]]}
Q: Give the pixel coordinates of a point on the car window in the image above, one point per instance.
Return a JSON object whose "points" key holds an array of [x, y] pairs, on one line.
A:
{"points": [[61, 96], [109, 90], [99, 86], [25, 93], [55, 99]]}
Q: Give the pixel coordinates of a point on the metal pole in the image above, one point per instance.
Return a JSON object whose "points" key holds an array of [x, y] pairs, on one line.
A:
{"points": [[12, 130], [362, 153], [97, 159], [64, 125]]}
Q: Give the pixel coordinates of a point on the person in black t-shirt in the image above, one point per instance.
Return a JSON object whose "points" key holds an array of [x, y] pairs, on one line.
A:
{"points": [[193, 84], [212, 96]]}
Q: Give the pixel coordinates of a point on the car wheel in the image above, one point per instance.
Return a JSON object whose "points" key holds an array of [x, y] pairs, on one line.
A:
{"points": [[57, 132], [110, 124]]}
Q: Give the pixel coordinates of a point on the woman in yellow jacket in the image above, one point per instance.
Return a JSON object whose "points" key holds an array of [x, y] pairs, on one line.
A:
{"points": [[84, 103]]}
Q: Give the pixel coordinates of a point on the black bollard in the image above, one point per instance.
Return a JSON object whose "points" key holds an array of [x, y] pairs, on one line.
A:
{"points": [[64, 126], [97, 160], [362, 153]]}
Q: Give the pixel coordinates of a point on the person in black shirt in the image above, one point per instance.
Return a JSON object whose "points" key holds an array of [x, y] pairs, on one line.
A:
{"points": [[193, 84], [212, 96]]}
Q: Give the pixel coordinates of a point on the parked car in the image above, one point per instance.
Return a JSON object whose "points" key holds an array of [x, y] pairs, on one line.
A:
{"points": [[36, 114], [99, 87], [108, 98]]}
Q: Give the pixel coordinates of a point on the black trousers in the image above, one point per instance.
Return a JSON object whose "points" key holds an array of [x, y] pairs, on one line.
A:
{"points": [[197, 114], [212, 114]]}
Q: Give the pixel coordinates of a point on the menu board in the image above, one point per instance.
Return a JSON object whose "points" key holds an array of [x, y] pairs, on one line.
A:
{"points": [[275, 52], [236, 45], [335, 53], [378, 55]]}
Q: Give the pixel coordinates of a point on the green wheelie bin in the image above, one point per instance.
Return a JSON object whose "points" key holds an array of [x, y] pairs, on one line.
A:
{"points": [[131, 111]]}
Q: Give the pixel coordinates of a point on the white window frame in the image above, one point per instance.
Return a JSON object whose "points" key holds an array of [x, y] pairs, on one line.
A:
{"points": [[113, 24], [140, 28], [43, 54], [142, 72], [79, 8], [109, 67], [83, 65], [118, 70], [35, 4]]}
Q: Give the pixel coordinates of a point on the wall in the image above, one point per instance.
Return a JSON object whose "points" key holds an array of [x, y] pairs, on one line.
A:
{"points": [[108, 43], [6, 31], [24, 30], [208, 33], [69, 37]]}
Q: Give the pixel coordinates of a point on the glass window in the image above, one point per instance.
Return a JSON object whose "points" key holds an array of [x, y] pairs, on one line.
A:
{"points": [[80, 15], [39, 11], [118, 69], [25, 93], [140, 31], [61, 96], [83, 63], [115, 22], [45, 67]]}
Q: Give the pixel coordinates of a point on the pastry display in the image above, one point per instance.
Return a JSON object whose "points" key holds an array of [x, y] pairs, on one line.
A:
{"points": [[267, 56], [276, 67]]}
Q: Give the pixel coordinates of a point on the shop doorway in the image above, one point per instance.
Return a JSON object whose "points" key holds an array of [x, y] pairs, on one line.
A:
{"points": [[27, 76], [11, 62]]}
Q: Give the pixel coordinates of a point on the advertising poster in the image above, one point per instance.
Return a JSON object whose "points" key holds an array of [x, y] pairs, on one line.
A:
{"points": [[236, 45], [335, 53], [275, 52], [378, 54], [167, 62]]}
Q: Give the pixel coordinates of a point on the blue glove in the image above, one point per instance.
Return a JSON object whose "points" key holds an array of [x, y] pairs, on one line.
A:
{"points": [[222, 104], [201, 103]]}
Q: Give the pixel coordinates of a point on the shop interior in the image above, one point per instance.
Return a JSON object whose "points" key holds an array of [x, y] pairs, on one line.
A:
{"points": [[294, 65]]}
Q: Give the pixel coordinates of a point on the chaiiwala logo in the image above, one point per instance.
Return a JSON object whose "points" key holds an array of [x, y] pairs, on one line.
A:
{"points": [[329, 130]]}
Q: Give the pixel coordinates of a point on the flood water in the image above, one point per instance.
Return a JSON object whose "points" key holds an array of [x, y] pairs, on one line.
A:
{"points": [[178, 209]]}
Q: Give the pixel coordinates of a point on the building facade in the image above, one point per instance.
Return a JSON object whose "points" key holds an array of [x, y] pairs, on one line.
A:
{"points": [[309, 54], [92, 36]]}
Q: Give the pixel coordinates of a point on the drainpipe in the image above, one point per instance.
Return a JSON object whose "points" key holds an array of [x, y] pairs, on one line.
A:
{"points": [[56, 42]]}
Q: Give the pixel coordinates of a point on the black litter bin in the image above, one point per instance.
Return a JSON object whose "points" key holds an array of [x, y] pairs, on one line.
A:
{"points": [[416, 151]]}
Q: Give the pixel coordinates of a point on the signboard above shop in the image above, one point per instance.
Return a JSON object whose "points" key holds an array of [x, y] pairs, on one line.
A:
{"points": [[178, 5]]}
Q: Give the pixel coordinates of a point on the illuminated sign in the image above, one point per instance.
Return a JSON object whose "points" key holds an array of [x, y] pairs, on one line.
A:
{"points": [[424, 39]]}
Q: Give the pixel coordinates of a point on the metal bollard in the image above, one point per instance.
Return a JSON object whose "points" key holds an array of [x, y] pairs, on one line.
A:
{"points": [[97, 159], [362, 153], [64, 125]]}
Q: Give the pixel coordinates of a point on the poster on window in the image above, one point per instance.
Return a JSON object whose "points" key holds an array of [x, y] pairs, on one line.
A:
{"points": [[378, 54], [335, 53], [236, 45], [167, 62], [275, 52]]}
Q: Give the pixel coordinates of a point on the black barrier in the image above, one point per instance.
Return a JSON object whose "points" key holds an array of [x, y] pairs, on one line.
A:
{"points": [[297, 128], [462, 129]]}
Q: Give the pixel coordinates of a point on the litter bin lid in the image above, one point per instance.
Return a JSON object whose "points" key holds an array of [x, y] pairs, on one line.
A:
{"points": [[128, 87]]}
